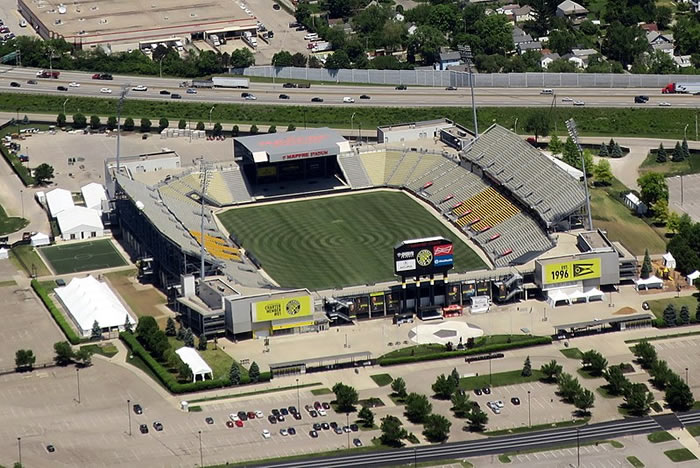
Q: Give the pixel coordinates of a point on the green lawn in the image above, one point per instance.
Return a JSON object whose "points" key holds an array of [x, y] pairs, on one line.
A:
{"points": [[106, 349], [338, 241], [612, 216], [83, 256], [26, 258], [635, 462], [680, 455], [660, 436], [539, 427], [424, 349], [321, 391], [657, 306], [572, 353], [10, 224], [694, 430], [218, 360], [690, 165], [382, 380], [499, 379]]}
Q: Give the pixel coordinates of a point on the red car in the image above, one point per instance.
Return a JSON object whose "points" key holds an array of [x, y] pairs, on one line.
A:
{"points": [[229, 423], [251, 415], [317, 405], [239, 423]]}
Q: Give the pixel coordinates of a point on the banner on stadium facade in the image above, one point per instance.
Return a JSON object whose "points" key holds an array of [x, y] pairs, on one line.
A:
{"points": [[573, 270], [468, 291], [279, 309], [452, 293], [376, 302]]}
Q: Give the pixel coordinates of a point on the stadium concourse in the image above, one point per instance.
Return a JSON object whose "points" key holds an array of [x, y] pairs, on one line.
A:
{"points": [[498, 190]]}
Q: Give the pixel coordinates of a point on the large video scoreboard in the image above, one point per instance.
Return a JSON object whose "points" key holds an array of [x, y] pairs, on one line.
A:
{"points": [[423, 257]]}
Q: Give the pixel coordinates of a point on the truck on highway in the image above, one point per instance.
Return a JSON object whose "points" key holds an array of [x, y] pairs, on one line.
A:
{"points": [[102, 76], [225, 82], [47, 74], [681, 88]]}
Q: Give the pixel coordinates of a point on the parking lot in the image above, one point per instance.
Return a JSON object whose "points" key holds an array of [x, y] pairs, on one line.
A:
{"points": [[91, 151], [26, 323], [681, 354]]}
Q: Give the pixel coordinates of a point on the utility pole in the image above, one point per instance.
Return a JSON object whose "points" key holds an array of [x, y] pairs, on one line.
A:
{"points": [[298, 398], [19, 449], [578, 448], [573, 133], [128, 413], [466, 54]]}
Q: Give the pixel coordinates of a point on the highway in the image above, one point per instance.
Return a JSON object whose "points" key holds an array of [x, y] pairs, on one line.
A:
{"points": [[495, 445], [380, 96]]}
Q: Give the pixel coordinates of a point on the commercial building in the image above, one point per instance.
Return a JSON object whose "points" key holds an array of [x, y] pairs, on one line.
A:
{"points": [[58, 200], [79, 222], [445, 130]]}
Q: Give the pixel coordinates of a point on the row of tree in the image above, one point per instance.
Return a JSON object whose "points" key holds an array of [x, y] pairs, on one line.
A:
{"points": [[677, 393], [680, 152]]}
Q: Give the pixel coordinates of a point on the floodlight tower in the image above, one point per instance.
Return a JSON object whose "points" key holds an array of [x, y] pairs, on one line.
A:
{"points": [[466, 54], [204, 175], [122, 96], [573, 133]]}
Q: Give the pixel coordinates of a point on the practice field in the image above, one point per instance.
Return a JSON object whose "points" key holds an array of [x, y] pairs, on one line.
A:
{"points": [[83, 256], [338, 241]]}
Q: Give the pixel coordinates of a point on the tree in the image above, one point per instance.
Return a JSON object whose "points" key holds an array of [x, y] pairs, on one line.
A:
{"points": [[624, 43], [653, 187], [185, 372], [217, 129], [367, 416], [584, 400], [538, 123], [664, 15], [61, 120], [555, 145], [661, 374], [79, 120], [253, 129], [661, 155], [170, 327], [603, 151], [678, 395], [146, 327], [527, 368], [127, 324], [646, 265], [603, 172], [444, 387], [24, 359], [638, 400], [461, 404], [96, 331], [398, 386], [551, 370], [111, 122], [569, 386], [684, 148], [570, 154], [202, 344], [291, 127], [43, 173], [684, 316], [562, 41], [299, 60], [254, 372], [678, 154], [84, 356], [337, 60], [594, 362], [242, 58], [697, 311], [182, 124], [200, 125], [436, 428], [345, 397], [64, 353], [426, 42], [454, 376], [145, 125], [163, 123], [392, 431], [673, 222], [670, 315], [234, 375], [188, 339], [282, 59], [645, 354], [128, 124], [272, 129], [417, 407], [180, 333], [477, 419], [617, 382]]}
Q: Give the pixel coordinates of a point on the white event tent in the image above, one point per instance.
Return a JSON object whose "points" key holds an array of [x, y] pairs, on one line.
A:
{"points": [[87, 300], [653, 282], [195, 362]]}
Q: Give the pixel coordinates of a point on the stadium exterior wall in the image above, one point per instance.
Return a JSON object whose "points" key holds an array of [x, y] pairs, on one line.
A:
{"points": [[442, 78]]}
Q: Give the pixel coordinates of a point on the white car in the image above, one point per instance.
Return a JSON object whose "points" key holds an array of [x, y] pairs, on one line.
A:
{"points": [[250, 97], [322, 412], [259, 414], [234, 417], [499, 403], [266, 434], [284, 432], [73, 84], [567, 99], [348, 100], [106, 91], [665, 104], [579, 103], [139, 88]]}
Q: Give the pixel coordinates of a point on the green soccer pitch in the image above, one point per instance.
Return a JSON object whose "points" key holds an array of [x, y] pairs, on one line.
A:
{"points": [[82, 256], [338, 241]]}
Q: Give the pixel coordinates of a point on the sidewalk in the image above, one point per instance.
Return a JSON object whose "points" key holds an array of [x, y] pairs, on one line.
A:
{"points": [[686, 440]]}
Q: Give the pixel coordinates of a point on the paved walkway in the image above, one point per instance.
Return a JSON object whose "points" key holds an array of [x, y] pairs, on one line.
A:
{"points": [[687, 440]]}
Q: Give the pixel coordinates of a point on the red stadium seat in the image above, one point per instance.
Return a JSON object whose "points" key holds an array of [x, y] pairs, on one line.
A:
{"points": [[507, 252], [427, 185], [485, 228], [447, 198], [494, 237], [457, 205]]}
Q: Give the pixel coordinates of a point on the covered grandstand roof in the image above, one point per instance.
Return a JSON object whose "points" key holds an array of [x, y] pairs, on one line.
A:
{"points": [[528, 174], [299, 144]]}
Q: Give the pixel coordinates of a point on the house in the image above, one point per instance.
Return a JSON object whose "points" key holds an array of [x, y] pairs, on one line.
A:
{"points": [[548, 58], [695, 5], [649, 27], [448, 58], [660, 41], [578, 61], [682, 61], [520, 36], [525, 46], [399, 17], [412, 29], [508, 10], [571, 10], [523, 14]]}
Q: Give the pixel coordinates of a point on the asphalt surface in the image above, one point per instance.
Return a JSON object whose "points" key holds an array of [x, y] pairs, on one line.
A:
{"points": [[497, 445], [268, 93]]}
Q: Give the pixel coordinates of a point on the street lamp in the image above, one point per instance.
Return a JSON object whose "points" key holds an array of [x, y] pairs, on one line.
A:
{"points": [[578, 447], [466, 54], [298, 399], [128, 413], [201, 454], [64, 106], [160, 66], [685, 132], [490, 371], [21, 198], [686, 376], [347, 423], [516, 125], [19, 449], [573, 133], [352, 127], [529, 412], [210, 111], [77, 376]]}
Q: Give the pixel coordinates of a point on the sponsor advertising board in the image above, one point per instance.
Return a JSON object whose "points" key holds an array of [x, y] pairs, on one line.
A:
{"points": [[422, 257], [573, 270], [280, 309]]}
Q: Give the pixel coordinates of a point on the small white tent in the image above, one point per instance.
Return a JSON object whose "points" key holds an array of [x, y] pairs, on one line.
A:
{"points": [[59, 200], [652, 282], [692, 277], [195, 362], [4, 253], [669, 261], [93, 194], [40, 239]]}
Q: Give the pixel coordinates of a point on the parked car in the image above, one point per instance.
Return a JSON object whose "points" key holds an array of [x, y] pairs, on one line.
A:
{"points": [[325, 426], [325, 405], [645, 305], [234, 417], [50, 448], [486, 390], [354, 427], [322, 412], [313, 413], [251, 415], [158, 426], [259, 414], [209, 420], [272, 419], [284, 432], [138, 409], [515, 401], [239, 423], [266, 434], [284, 411], [292, 409], [357, 442], [291, 431], [337, 430], [143, 428], [313, 434], [478, 392], [242, 415], [229, 424], [297, 416]]}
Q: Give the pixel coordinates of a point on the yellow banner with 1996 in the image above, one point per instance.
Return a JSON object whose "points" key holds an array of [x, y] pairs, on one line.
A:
{"points": [[575, 270]]}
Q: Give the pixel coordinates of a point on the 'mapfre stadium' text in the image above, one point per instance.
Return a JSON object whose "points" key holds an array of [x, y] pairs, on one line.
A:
{"points": [[308, 154]]}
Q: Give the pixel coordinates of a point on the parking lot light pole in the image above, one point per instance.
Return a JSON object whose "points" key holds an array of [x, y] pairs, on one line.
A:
{"points": [[21, 198], [19, 449], [490, 372], [77, 375], [578, 448], [64, 106], [298, 398], [529, 412], [347, 423], [201, 454], [686, 376], [210, 111], [128, 413]]}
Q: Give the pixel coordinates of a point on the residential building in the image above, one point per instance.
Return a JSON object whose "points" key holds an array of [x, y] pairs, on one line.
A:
{"points": [[547, 59], [571, 10], [523, 14], [660, 41], [447, 58]]}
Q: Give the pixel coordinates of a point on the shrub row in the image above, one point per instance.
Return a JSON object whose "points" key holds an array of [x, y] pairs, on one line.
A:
{"points": [[56, 314], [20, 169], [533, 341], [168, 380]]}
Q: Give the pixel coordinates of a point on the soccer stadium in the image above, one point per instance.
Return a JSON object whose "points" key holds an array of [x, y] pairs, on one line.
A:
{"points": [[308, 210]]}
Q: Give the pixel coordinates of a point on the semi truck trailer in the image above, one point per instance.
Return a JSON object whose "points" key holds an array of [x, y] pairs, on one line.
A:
{"points": [[682, 88]]}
